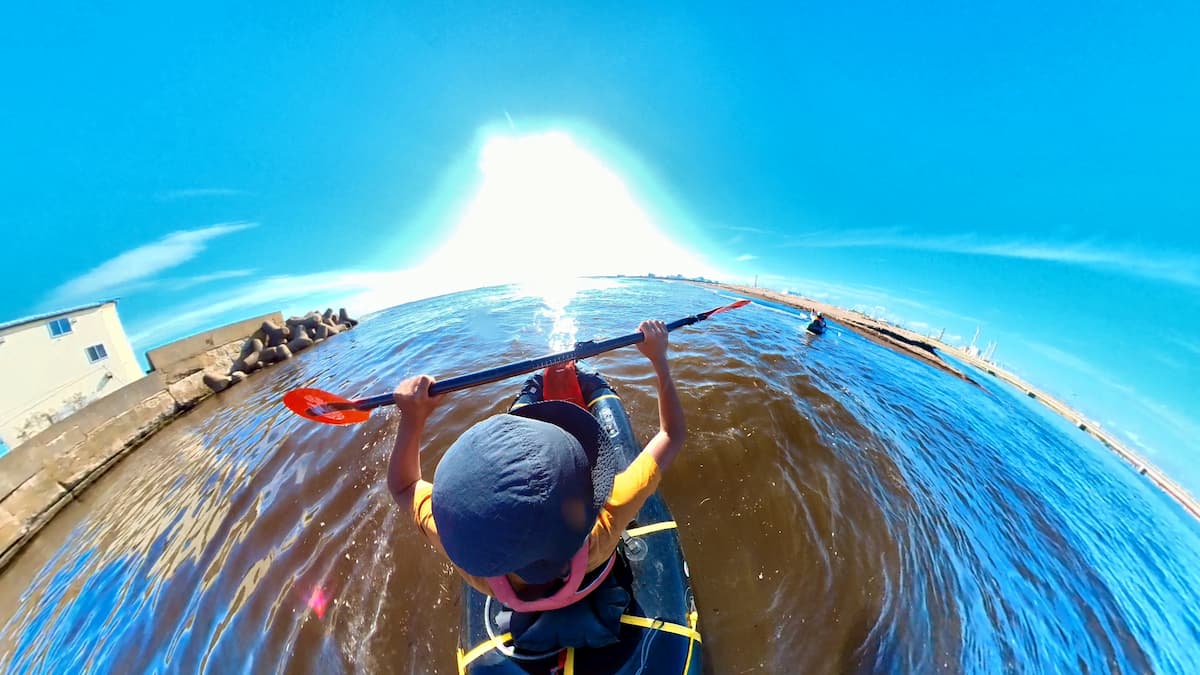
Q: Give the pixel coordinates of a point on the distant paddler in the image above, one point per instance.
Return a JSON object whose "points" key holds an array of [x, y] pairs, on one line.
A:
{"points": [[817, 326]]}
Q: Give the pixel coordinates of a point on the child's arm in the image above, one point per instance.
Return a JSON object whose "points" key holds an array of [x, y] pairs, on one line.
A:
{"points": [[415, 404], [672, 427]]}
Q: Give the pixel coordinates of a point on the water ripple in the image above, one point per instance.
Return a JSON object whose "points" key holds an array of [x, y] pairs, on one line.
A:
{"points": [[842, 508]]}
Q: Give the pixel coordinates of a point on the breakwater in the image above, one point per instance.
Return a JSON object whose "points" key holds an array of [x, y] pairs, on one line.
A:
{"points": [[41, 476]]}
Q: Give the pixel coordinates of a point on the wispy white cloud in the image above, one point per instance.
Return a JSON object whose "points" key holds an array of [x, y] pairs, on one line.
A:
{"points": [[360, 291], [127, 269], [181, 283], [1190, 345], [746, 228], [185, 283], [1074, 362], [1159, 265], [1178, 422], [1132, 439], [291, 294], [191, 193], [745, 257], [867, 296], [1170, 360], [1184, 426]]}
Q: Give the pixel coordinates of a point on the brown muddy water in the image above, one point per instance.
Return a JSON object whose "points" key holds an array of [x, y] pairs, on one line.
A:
{"points": [[842, 508]]}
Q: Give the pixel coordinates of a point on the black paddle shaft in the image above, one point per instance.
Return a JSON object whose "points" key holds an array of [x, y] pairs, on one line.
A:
{"points": [[582, 350]]}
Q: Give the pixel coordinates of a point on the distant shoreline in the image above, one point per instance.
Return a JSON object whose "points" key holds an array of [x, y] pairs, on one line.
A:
{"points": [[926, 349]]}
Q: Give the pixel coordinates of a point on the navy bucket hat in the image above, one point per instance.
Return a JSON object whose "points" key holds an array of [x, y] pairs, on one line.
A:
{"points": [[520, 492]]}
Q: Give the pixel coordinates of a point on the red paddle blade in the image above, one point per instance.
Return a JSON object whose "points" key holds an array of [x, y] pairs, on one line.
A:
{"points": [[726, 308], [324, 407]]}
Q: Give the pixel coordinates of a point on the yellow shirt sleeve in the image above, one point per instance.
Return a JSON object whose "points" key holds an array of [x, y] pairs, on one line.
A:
{"points": [[631, 488], [422, 512]]}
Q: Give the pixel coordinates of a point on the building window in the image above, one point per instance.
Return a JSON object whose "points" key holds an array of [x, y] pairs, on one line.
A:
{"points": [[96, 353], [59, 327]]}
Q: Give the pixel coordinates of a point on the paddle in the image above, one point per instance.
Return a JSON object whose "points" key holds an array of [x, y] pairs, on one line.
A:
{"points": [[327, 408]]}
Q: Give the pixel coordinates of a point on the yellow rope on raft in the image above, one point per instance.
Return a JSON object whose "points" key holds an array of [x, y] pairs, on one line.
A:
{"points": [[693, 621], [479, 650], [688, 632], [650, 529], [659, 624], [601, 398]]}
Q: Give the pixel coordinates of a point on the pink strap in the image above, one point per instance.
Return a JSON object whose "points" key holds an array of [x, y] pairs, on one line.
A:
{"points": [[570, 592], [598, 580]]}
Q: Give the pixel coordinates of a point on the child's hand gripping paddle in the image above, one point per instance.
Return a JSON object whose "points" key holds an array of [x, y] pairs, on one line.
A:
{"points": [[321, 406]]}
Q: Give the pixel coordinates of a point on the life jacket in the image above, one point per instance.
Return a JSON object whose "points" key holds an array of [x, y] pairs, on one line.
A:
{"points": [[569, 594]]}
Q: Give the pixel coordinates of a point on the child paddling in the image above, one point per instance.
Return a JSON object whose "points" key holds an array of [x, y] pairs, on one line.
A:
{"points": [[528, 505]]}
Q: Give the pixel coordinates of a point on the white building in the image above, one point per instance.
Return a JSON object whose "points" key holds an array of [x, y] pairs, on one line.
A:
{"points": [[53, 364]]}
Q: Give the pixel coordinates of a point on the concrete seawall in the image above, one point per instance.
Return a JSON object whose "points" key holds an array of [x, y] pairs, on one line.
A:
{"points": [[39, 477]]}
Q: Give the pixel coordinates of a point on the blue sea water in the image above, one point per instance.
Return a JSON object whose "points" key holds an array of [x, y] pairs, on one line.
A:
{"points": [[842, 507]]}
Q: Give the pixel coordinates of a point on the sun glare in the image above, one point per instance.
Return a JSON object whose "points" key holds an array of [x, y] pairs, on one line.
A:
{"points": [[545, 211], [547, 208]]}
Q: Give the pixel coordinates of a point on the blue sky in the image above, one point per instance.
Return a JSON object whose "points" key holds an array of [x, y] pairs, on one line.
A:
{"points": [[1023, 168]]}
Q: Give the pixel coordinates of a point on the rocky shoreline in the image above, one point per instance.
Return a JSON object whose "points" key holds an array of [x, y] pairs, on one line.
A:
{"points": [[273, 343]]}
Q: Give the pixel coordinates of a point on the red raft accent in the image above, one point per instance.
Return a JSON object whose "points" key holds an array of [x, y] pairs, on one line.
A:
{"points": [[560, 383]]}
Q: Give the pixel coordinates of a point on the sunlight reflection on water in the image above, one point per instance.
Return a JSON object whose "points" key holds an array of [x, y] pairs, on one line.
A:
{"points": [[556, 295]]}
